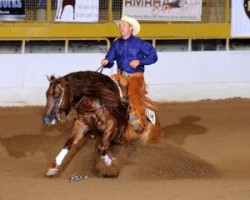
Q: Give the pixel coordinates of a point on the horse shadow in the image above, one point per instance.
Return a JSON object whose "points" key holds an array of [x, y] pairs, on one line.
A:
{"points": [[178, 133]]}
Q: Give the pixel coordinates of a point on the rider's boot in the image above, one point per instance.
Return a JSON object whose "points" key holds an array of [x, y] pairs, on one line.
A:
{"points": [[136, 92], [137, 117]]}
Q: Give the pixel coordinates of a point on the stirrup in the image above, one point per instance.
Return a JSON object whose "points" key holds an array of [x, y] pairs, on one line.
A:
{"points": [[135, 122]]}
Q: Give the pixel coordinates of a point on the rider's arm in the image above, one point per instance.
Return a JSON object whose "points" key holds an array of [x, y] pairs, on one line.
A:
{"points": [[111, 56], [150, 54]]}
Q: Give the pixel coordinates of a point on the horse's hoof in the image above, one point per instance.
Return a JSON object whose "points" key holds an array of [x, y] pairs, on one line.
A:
{"points": [[107, 160], [52, 171]]}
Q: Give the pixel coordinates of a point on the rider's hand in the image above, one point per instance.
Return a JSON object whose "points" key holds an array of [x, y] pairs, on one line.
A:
{"points": [[105, 62], [134, 63]]}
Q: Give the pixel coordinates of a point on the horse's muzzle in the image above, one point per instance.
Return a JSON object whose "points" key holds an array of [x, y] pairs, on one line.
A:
{"points": [[51, 119]]}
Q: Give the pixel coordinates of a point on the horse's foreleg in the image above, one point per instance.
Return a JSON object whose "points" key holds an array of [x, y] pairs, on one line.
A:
{"points": [[108, 136], [53, 170], [76, 136], [105, 157], [107, 160]]}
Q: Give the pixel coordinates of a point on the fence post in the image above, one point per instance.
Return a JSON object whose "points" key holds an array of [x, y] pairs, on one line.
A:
{"points": [[48, 11], [110, 17], [227, 11]]}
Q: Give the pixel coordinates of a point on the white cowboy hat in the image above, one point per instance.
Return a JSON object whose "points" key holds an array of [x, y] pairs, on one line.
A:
{"points": [[133, 22]]}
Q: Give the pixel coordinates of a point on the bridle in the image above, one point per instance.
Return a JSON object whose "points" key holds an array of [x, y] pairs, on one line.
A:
{"points": [[57, 113], [61, 98]]}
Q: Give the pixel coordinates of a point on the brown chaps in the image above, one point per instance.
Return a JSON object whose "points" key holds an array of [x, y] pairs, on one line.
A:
{"points": [[136, 89]]}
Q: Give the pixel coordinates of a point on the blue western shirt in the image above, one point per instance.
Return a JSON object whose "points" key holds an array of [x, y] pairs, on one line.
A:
{"points": [[133, 48]]}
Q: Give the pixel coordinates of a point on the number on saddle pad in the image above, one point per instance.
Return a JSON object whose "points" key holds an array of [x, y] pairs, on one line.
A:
{"points": [[151, 115]]}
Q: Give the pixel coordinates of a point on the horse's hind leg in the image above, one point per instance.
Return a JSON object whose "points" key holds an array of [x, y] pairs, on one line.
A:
{"points": [[76, 135]]}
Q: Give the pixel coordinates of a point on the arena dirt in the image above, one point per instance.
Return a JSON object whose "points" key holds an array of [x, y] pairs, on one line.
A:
{"points": [[204, 154]]}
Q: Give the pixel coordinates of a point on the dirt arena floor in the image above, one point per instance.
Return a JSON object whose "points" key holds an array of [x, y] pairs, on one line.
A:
{"points": [[204, 155]]}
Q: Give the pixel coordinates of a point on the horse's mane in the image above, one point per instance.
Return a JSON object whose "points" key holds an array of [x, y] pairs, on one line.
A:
{"points": [[100, 86]]}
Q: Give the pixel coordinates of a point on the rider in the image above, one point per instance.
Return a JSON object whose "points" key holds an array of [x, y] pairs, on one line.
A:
{"points": [[131, 54]]}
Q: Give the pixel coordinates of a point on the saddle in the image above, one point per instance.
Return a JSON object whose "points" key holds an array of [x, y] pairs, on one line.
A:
{"points": [[141, 108]]}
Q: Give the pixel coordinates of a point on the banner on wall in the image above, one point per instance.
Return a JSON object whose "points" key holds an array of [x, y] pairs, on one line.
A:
{"points": [[240, 20], [163, 10], [12, 10], [77, 10]]}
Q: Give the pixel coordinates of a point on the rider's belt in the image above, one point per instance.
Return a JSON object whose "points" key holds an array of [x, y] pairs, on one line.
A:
{"points": [[126, 74]]}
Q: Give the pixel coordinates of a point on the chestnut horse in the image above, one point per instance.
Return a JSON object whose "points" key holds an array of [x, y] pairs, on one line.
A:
{"points": [[96, 99]]}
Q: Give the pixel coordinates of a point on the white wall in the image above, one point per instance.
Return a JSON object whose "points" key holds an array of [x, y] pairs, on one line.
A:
{"points": [[177, 76], [192, 76]]}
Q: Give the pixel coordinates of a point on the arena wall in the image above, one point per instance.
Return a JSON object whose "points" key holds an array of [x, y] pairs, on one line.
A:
{"points": [[177, 76]]}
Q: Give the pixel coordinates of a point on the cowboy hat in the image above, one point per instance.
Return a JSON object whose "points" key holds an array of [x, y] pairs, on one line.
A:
{"points": [[133, 22]]}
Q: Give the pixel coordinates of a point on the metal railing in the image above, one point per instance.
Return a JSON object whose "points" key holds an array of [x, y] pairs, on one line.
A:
{"points": [[39, 32]]}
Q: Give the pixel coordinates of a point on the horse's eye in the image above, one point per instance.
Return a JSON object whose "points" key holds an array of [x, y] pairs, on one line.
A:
{"points": [[56, 97]]}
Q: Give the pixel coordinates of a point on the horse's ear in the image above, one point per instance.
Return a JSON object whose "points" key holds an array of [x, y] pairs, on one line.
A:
{"points": [[51, 78]]}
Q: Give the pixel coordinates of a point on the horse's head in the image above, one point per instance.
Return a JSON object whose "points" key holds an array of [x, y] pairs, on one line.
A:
{"points": [[57, 100]]}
